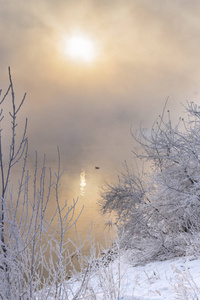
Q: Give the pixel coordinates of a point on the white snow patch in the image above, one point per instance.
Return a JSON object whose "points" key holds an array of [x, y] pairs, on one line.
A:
{"points": [[170, 280]]}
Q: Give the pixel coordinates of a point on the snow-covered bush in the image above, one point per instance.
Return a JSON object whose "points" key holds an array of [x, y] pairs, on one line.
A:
{"points": [[158, 209]]}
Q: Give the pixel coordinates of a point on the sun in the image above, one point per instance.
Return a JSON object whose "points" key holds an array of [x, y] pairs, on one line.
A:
{"points": [[80, 48]]}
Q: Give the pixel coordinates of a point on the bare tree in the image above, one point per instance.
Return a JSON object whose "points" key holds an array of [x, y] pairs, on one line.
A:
{"points": [[15, 153], [36, 255]]}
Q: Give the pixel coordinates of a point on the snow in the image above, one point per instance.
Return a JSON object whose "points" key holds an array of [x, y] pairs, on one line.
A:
{"points": [[171, 279], [162, 280], [175, 279]]}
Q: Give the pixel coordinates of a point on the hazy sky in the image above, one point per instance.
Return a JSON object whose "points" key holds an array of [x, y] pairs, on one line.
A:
{"points": [[147, 50]]}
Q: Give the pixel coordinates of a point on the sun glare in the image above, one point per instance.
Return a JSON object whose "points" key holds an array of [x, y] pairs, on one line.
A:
{"points": [[80, 48]]}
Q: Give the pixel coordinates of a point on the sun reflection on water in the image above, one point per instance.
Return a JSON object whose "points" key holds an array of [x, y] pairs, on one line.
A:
{"points": [[82, 183]]}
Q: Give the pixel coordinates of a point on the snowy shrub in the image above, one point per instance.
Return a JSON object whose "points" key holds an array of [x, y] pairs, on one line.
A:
{"points": [[158, 209]]}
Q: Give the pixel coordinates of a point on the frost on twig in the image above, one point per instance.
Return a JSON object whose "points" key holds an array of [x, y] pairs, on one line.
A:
{"points": [[35, 251], [157, 208]]}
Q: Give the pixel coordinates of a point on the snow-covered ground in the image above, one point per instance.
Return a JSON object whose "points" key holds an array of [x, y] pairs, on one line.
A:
{"points": [[171, 279]]}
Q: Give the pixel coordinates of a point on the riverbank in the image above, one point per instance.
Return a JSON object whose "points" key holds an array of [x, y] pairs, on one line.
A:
{"points": [[169, 280]]}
